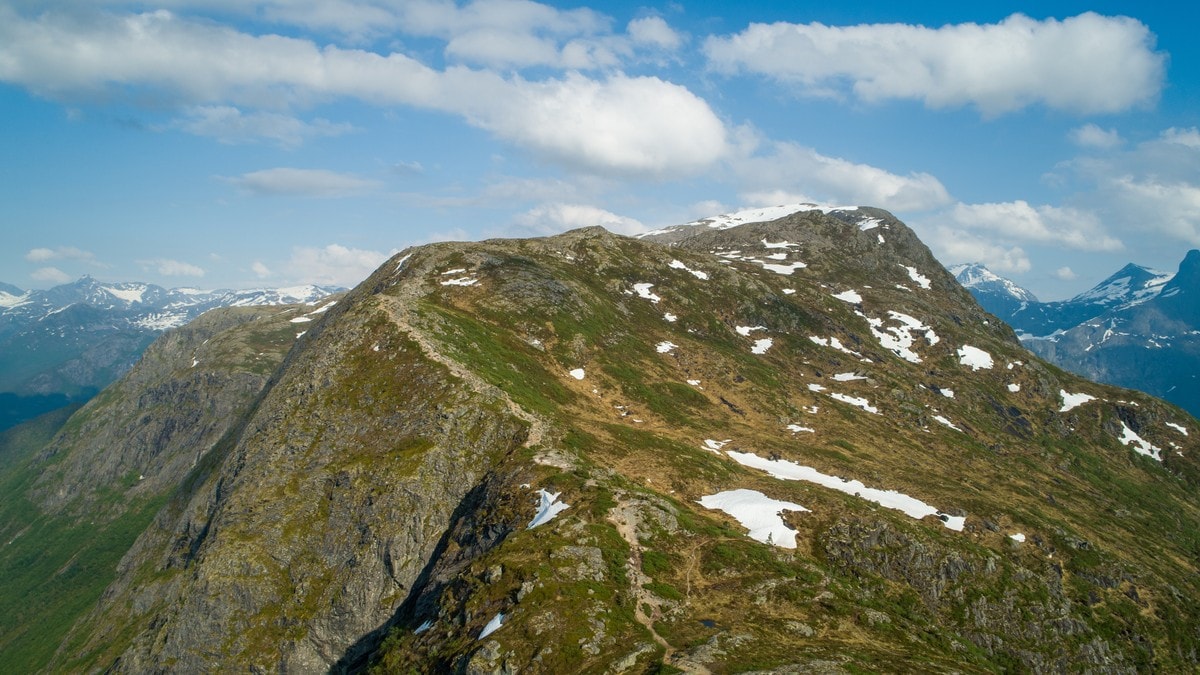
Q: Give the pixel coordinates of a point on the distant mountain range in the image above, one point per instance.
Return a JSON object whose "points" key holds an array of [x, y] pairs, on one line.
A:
{"points": [[65, 343], [1139, 328]]}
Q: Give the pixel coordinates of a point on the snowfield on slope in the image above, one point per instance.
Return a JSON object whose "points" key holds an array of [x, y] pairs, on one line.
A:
{"points": [[786, 470], [757, 513]]}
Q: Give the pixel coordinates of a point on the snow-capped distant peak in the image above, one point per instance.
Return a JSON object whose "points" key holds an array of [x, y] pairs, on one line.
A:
{"points": [[976, 276], [1132, 284]]}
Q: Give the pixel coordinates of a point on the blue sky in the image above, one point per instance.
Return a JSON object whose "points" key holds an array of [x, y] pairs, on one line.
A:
{"points": [[241, 143]]}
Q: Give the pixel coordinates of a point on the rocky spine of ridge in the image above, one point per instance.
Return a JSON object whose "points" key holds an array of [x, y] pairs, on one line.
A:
{"points": [[388, 500]]}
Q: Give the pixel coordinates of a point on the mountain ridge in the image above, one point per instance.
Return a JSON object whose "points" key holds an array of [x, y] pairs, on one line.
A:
{"points": [[789, 446]]}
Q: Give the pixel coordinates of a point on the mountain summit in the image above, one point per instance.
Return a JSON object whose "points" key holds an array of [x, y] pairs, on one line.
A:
{"points": [[785, 446]]}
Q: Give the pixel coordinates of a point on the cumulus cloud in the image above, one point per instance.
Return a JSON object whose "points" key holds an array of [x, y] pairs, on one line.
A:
{"points": [[615, 124], [792, 173], [951, 244], [554, 218], [1152, 188], [171, 268], [1092, 136], [1086, 64], [620, 125], [51, 275], [654, 31], [302, 182], [1170, 206], [230, 125], [334, 264], [1065, 274], [61, 253], [1020, 221]]}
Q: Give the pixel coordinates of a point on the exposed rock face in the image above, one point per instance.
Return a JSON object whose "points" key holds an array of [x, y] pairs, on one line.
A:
{"points": [[489, 458]]}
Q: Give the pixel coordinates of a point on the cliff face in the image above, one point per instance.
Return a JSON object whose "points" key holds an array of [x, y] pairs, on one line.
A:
{"points": [[797, 445]]}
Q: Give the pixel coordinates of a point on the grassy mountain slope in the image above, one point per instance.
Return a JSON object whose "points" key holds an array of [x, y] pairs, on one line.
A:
{"points": [[78, 491], [373, 511]]}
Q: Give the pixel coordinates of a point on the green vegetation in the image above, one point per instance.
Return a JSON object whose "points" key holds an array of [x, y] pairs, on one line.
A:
{"points": [[54, 567]]}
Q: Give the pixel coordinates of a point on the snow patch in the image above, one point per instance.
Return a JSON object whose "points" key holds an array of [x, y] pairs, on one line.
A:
{"points": [[461, 281], [671, 318], [744, 331], [301, 319], [643, 291], [1014, 387], [665, 347], [816, 387], [1071, 401], [761, 346], [848, 377], [1140, 445], [789, 291], [757, 513], [787, 470], [974, 357], [850, 296], [129, 295], [703, 276], [921, 279], [785, 270], [781, 244], [899, 339], [948, 393], [796, 428], [492, 626], [577, 373], [855, 401], [1017, 537], [548, 507], [946, 422], [1178, 428], [715, 446]]}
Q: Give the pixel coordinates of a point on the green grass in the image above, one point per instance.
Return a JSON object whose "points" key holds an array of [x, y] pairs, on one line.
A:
{"points": [[54, 568]]}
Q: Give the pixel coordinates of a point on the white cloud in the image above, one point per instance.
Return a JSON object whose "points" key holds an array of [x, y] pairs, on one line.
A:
{"points": [[1087, 63], [302, 182], [654, 31], [640, 125], [171, 268], [51, 275], [555, 218], [230, 125], [1065, 274], [260, 270], [61, 253], [1149, 190], [333, 264], [617, 124], [954, 245], [1020, 221], [1189, 138], [1092, 136], [794, 173], [1170, 207]]}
